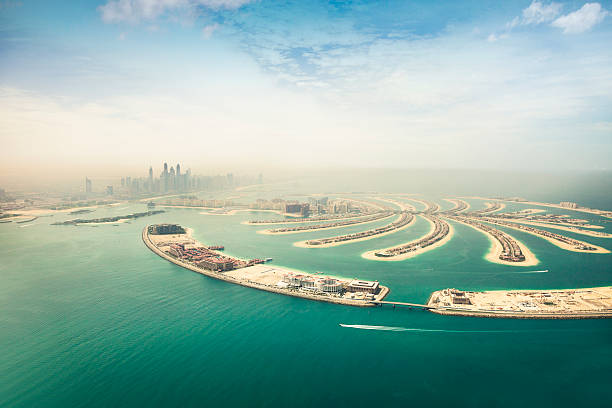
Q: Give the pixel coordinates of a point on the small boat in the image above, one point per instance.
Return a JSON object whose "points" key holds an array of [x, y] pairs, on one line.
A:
{"points": [[268, 259]]}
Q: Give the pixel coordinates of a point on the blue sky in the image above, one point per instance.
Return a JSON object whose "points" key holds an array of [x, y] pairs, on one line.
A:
{"points": [[457, 84]]}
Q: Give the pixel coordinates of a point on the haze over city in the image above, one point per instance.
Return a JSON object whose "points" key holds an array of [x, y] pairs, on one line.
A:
{"points": [[342, 203], [107, 87]]}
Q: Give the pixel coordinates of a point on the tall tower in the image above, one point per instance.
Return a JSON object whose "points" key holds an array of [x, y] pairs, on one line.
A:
{"points": [[164, 181], [172, 181], [87, 185], [150, 178], [178, 169]]}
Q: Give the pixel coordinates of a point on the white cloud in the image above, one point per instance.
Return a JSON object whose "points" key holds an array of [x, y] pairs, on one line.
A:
{"points": [[134, 11], [581, 20], [538, 13], [209, 30]]}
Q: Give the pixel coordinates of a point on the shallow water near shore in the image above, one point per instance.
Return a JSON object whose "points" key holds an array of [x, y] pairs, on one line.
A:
{"points": [[90, 317]]}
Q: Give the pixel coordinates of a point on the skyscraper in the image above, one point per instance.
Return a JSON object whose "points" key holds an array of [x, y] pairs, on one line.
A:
{"points": [[87, 185], [164, 177], [172, 179], [150, 179]]}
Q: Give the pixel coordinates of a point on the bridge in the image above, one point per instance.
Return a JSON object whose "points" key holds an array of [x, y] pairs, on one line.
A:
{"points": [[404, 304]]}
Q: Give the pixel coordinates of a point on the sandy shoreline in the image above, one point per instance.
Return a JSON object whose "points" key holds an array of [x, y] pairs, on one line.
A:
{"points": [[456, 202], [575, 230], [402, 206], [270, 232], [593, 211], [229, 212], [281, 222], [502, 206], [370, 255], [416, 200], [496, 249], [44, 211], [581, 303], [221, 276], [562, 245], [303, 244]]}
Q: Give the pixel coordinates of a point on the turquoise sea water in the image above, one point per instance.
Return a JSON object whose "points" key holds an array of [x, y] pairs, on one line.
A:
{"points": [[90, 317]]}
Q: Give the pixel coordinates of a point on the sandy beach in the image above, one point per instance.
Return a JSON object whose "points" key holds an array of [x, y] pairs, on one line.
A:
{"points": [[562, 245], [270, 232], [372, 257], [606, 214], [420, 202], [402, 206], [44, 211], [303, 244], [576, 230], [502, 206], [496, 249], [262, 277], [455, 201], [581, 303], [280, 222]]}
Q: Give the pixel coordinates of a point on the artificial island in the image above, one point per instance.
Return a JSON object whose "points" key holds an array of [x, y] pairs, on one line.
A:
{"points": [[176, 244]]}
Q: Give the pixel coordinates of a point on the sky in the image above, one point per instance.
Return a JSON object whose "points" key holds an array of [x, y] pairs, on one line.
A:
{"points": [[112, 86]]}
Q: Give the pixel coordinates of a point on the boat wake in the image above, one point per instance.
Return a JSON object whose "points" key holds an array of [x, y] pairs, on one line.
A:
{"points": [[412, 329], [544, 271]]}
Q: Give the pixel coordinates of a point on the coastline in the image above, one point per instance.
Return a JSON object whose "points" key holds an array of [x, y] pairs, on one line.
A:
{"points": [[562, 245], [402, 206], [384, 291], [370, 255], [576, 230], [496, 249], [456, 202], [551, 205], [281, 222], [269, 232], [581, 303], [303, 244]]}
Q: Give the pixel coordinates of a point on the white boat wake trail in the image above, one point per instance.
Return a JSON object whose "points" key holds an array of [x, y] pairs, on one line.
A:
{"points": [[411, 329], [544, 271]]}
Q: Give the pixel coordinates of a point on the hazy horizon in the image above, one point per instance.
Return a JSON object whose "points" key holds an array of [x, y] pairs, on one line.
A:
{"points": [[124, 84]]}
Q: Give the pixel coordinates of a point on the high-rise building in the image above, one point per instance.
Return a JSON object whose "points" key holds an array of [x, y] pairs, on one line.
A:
{"points": [[172, 179], [164, 178], [150, 179], [109, 190], [87, 185]]}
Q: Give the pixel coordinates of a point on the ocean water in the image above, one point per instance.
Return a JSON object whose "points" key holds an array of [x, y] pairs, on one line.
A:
{"points": [[90, 317]]}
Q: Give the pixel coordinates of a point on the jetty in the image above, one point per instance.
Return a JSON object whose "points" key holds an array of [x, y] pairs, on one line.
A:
{"points": [[404, 304]]}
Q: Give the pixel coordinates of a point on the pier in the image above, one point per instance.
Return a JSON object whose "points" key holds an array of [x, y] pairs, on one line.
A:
{"points": [[403, 304]]}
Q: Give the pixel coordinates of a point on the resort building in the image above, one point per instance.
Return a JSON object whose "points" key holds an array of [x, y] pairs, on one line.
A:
{"points": [[307, 282], [363, 286], [166, 229]]}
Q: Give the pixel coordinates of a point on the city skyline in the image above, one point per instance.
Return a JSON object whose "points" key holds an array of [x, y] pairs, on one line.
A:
{"points": [[522, 85]]}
